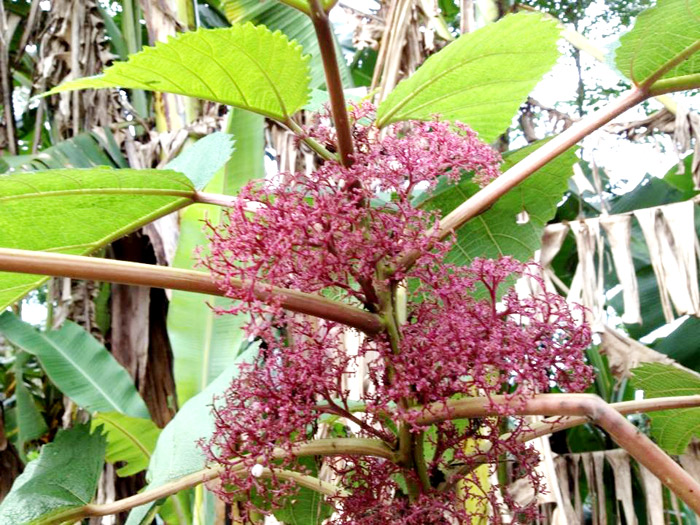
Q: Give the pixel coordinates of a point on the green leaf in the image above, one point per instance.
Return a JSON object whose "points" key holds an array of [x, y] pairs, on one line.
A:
{"points": [[177, 453], [78, 365], [204, 158], [293, 23], [85, 150], [481, 78], [495, 232], [205, 343], [64, 476], [670, 31], [77, 211], [671, 429], [307, 507], [245, 66], [29, 421], [129, 439], [683, 344]]}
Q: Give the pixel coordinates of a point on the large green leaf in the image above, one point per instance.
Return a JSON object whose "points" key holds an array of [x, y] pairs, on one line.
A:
{"points": [[78, 365], [495, 232], [481, 78], [130, 440], [204, 343], [77, 211], [672, 429], [670, 31], [245, 66], [177, 452], [293, 23], [64, 476]]}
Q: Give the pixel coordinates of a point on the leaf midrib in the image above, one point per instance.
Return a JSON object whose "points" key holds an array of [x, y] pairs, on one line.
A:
{"points": [[186, 194], [128, 434], [81, 370]]}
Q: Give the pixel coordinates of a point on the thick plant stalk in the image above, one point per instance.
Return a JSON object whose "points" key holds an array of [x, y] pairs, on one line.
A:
{"points": [[558, 423], [78, 267], [529, 165], [587, 406], [321, 447], [324, 34]]}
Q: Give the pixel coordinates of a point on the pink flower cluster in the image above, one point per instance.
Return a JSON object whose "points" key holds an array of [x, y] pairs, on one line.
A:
{"points": [[340, 232]]}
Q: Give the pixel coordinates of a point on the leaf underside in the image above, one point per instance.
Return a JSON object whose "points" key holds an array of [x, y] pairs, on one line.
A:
{"points": [[495, 232], [480, 79], [245, 66], [660, 34], [671, 429], [78, 211], [293, 23], [129, 439]]}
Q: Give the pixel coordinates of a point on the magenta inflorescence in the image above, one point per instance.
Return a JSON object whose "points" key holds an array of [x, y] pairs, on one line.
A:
{"points": [[451, 332]]}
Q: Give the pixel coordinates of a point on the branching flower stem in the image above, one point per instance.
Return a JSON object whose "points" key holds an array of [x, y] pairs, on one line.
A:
{"points": [[77, 267], [574, 403], [585, 407], [319, 447]]}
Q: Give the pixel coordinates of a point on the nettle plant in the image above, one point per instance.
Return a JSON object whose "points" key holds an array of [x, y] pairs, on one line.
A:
{"points": [[349, 273]]}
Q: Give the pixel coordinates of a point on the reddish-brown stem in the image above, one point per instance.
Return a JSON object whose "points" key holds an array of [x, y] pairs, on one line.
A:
{"points": [[587, 406], [77, 267], [326, 43], [557, 424], [526, 167]]}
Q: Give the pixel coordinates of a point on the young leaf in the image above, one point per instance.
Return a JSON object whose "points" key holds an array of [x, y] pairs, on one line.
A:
{"points": [[203, 342], [663, 45], [671, 429], [130, 440], [204, 158], [177, 453], [495, 232], [77, 211], [245, 66], [78, 365], [481, 78], [64, 476]]}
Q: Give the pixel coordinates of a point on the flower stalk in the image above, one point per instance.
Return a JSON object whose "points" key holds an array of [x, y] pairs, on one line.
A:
{"points": [[326, 44]]}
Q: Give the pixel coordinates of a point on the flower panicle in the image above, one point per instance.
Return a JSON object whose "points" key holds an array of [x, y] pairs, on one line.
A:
{"points": [[340, 231]]}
